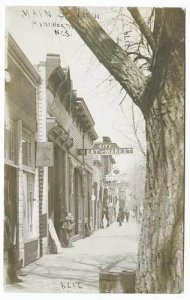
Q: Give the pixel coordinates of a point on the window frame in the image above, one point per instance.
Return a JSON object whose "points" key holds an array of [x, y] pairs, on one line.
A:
{"points": [[10, 141], [28, 148]]}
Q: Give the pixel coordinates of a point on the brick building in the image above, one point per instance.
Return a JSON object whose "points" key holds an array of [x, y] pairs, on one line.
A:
{"points": [[69, 125]]}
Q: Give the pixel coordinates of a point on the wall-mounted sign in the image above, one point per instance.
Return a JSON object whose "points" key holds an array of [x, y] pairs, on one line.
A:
{"points": [[105, 149], [45, 154]]}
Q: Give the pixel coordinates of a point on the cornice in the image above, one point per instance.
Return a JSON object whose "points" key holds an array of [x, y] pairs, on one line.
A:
{"points": [[17, 54]]}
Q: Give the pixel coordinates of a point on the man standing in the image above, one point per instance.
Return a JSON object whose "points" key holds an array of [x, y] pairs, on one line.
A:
{"points": [[69, 228], [10, 254]]}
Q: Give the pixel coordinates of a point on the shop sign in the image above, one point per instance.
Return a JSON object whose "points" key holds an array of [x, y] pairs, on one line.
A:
{"points": [[45, 155], [104, 146], [105, 149]]}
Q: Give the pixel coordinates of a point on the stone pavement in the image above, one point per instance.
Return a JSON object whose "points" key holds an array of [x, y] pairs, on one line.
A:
{"points": [[77, 269]]}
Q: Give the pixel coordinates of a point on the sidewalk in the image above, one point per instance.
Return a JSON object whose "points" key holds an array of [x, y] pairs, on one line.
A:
{"points": [[77, 269]]}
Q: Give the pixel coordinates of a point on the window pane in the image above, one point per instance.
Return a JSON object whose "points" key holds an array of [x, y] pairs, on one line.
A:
{"points": [[27, 148], [9, 140]]}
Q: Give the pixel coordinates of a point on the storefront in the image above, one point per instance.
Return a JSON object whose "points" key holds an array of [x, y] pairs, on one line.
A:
{"points": [[58, 181], [70, 178], [21, 177]]}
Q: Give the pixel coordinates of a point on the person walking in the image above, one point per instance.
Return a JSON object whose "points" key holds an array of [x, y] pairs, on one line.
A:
{"points": [[103, 218], [120, 216], [127, 214], [107, 216]]}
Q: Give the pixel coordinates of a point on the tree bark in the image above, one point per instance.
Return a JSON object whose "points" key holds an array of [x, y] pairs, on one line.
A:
{"points": [[160, 267]]}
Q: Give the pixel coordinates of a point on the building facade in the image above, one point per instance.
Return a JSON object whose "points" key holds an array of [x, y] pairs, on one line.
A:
{"points": [[104, 198], [21, 196], [43, 111], [69, 126]]}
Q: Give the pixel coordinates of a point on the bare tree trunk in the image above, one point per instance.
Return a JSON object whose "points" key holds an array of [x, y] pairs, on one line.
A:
{"points": [[160, 268]]}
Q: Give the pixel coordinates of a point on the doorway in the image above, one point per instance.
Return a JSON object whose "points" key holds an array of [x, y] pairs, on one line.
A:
{"points": [[10, 199]]}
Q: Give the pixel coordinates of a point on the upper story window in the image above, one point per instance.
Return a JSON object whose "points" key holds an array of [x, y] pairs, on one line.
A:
{"points": [[9, 145], [28, 148]]}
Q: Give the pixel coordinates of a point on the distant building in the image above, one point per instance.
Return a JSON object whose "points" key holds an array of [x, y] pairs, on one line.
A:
{"points": [[104, 198], [97, 191]]}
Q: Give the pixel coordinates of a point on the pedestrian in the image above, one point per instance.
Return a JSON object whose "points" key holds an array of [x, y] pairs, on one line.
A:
{"points": [[87, 229], [127, 214], [107, 216], [103, 217], [123, 215], [69, 228], [10, 254], [64, 238], [120, 216], [64, 234]]}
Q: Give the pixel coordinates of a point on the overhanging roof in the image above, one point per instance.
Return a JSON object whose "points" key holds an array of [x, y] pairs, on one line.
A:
{"points": [[83, 113]]}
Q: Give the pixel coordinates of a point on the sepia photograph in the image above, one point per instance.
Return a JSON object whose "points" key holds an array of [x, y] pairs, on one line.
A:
{"points": [[94, 149]]}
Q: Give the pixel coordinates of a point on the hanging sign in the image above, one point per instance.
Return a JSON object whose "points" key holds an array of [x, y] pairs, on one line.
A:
{"points": [[105, 149], [45, 155]]}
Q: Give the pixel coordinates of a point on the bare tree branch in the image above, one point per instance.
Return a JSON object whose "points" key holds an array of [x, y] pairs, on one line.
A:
{"points": [[111, 55], [143, 27], [123, 99]]}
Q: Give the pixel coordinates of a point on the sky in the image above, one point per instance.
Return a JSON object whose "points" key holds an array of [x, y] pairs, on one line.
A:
{"points": [[102, 94]]}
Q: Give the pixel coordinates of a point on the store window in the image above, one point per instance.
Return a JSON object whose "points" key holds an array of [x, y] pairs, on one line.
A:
{"points": [[27, 148], [10, 140]]}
